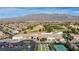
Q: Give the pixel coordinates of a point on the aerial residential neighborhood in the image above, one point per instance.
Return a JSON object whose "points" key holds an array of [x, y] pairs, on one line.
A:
{"points": [[44, 36], [36, 29]]}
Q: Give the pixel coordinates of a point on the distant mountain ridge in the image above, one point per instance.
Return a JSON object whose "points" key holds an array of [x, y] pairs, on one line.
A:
{"points": [[45, 17]]}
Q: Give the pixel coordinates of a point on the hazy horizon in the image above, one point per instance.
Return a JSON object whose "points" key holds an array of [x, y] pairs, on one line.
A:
{"points": [[8, 12]]}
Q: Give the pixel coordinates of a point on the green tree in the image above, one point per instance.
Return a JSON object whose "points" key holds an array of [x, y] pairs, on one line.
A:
{"points": [[48, 28], [73, 30], [30, 27], [67, 36], [25, 32]]}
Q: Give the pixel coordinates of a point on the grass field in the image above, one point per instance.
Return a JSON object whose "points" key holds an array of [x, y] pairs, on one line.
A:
{"points": [[43, 47]]}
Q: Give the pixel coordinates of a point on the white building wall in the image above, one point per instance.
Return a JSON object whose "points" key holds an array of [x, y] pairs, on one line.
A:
{"points": [[18, 37]]}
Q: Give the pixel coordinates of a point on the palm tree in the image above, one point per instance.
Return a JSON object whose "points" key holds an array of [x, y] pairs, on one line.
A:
{"points": [[68, 38]]}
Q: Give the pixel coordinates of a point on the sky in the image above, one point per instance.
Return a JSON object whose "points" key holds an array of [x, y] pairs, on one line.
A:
{"points": [[8, 12]]}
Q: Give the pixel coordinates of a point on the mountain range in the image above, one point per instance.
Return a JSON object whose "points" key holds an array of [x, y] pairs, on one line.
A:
{"points": [[44, 17]]}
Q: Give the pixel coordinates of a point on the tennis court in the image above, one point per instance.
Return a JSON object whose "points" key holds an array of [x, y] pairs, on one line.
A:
{"points": [[60, 48], [43, 47]]}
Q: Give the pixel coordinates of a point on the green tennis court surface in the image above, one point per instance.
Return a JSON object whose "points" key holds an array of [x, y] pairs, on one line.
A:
{"points": [[60, 48], [43, 47]]}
